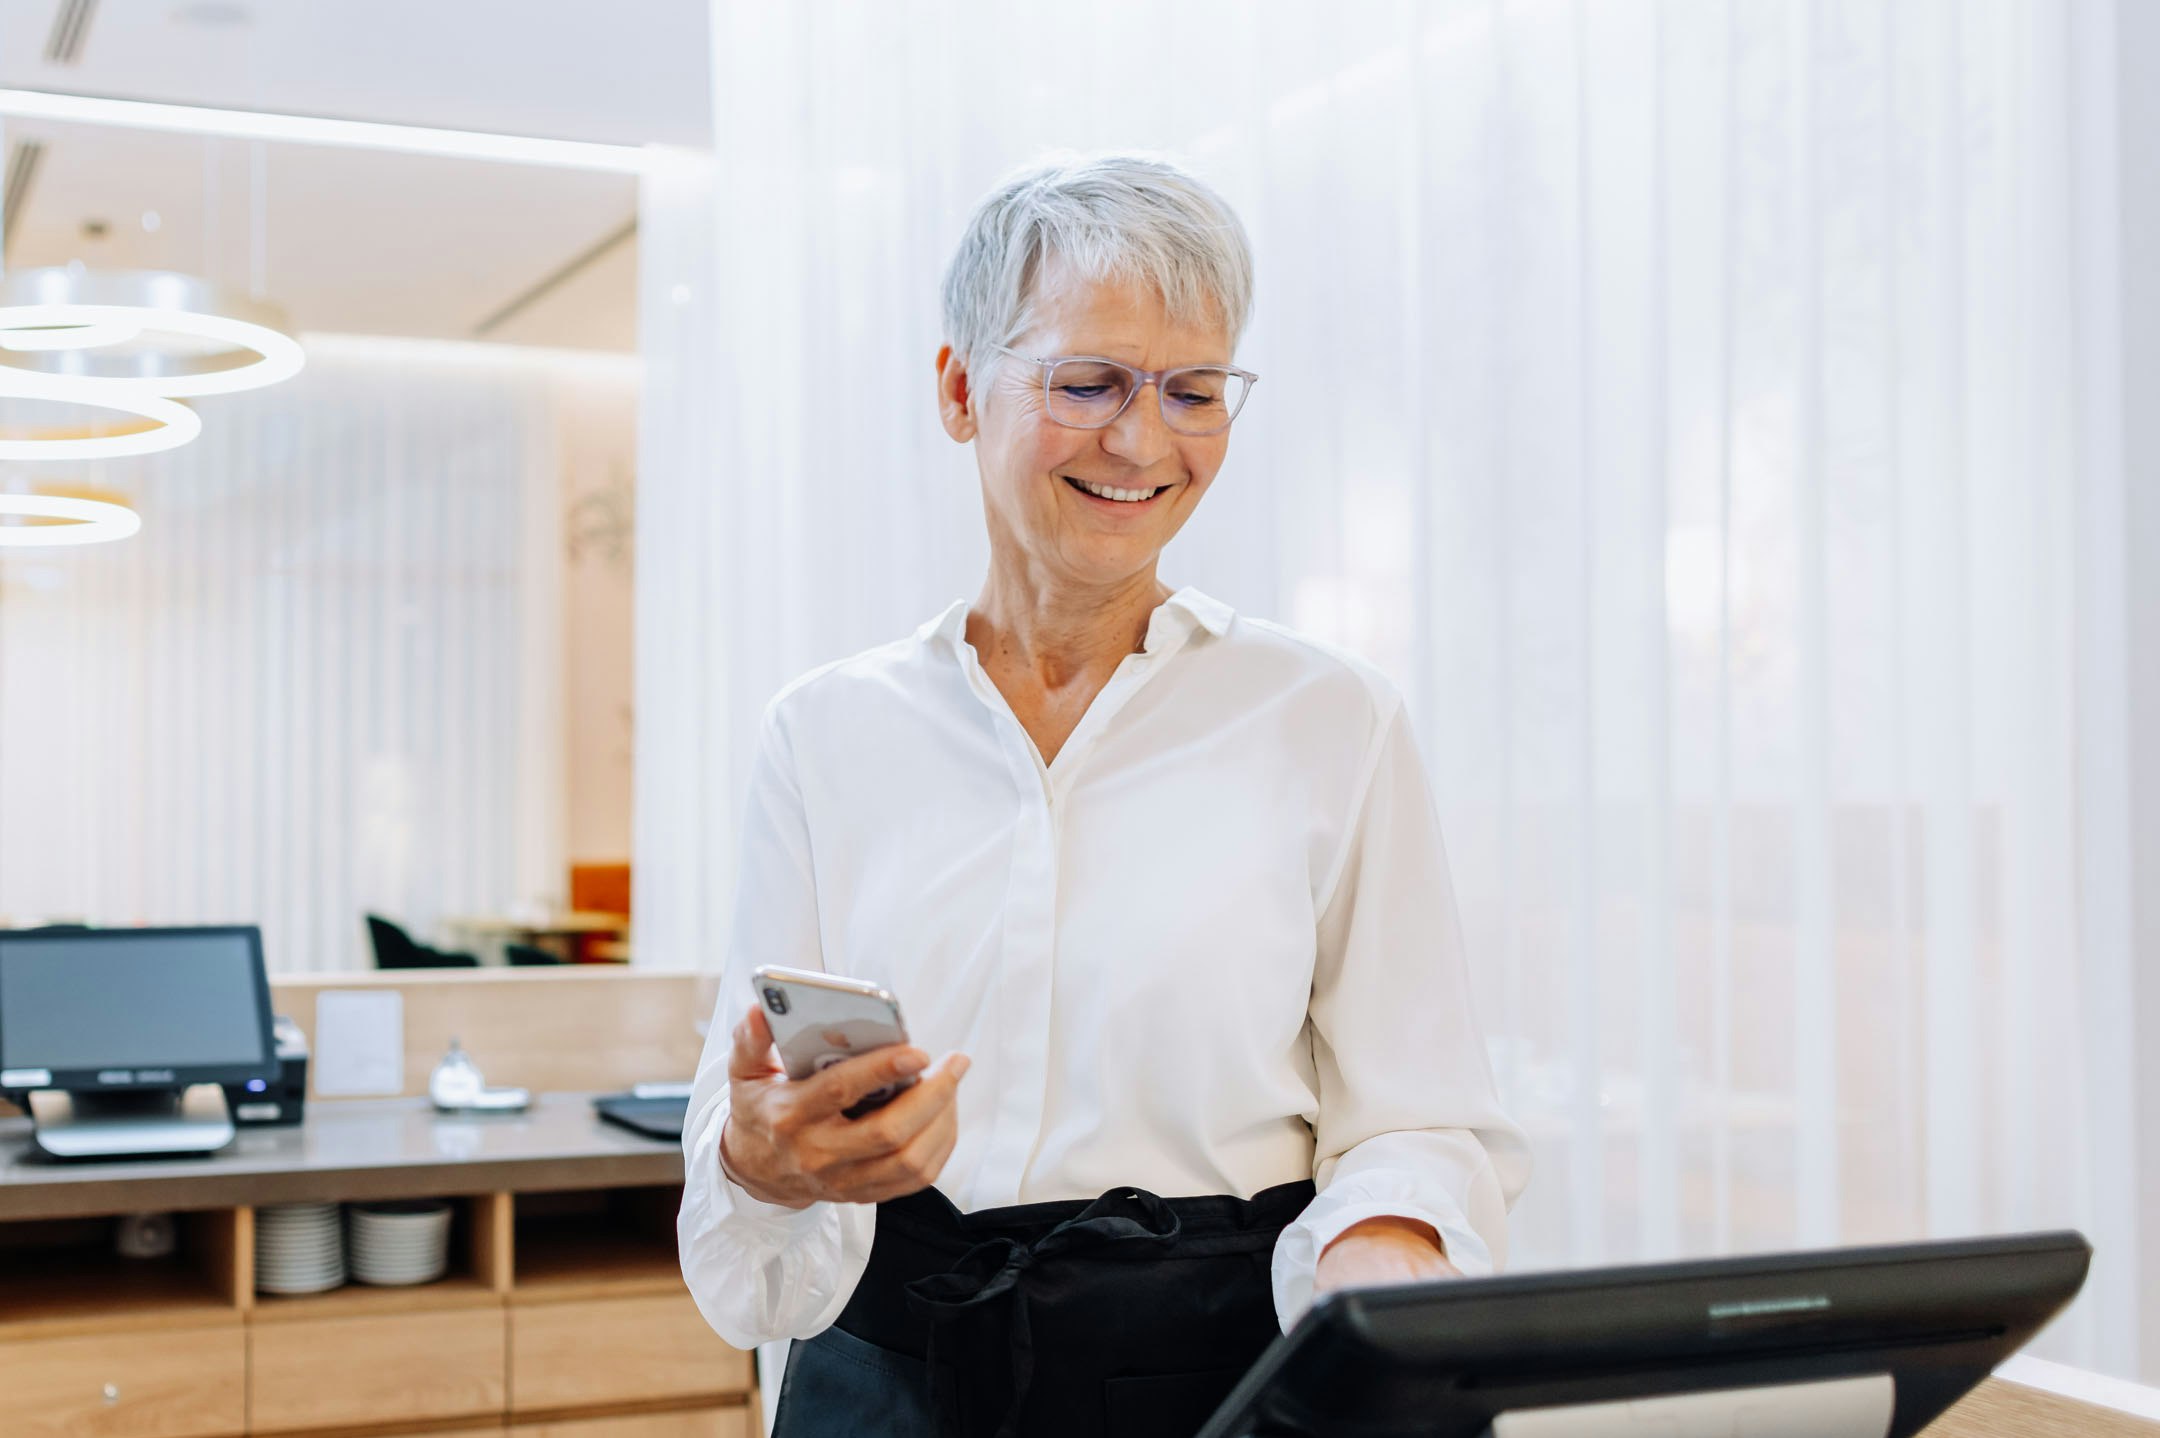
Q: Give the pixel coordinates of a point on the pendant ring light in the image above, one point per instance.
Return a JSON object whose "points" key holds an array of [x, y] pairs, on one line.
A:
{"points": [[174, 423], [95, 521], [82, 327]]}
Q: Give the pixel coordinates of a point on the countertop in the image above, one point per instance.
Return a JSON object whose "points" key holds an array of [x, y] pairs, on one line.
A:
{"points": [[349, 1149]]}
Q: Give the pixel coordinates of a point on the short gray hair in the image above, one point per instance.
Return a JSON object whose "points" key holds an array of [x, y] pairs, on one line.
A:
{"points": [[1117, 216]]}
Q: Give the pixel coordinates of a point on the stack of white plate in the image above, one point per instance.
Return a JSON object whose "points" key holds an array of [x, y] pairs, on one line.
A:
{"points": [[402, 1242], [299, 1248]]}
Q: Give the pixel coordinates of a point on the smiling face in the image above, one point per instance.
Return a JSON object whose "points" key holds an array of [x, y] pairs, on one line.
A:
{"points": [[1036, 472]]}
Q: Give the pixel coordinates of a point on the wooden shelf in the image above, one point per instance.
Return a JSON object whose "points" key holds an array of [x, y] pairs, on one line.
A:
{"points": [[61, 1276], [53, 1292], [560, 1259], [356, 1300]]}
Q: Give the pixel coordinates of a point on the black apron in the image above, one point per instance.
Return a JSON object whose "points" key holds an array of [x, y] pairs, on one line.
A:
{"points": [[1129, 1316]]}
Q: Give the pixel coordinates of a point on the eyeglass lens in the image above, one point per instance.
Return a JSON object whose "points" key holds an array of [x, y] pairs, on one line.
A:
{"points": [[1088, 394]]}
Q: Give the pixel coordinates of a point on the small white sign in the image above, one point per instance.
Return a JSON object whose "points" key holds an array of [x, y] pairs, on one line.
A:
{"points": [[25, 1078], [359, 1042]]}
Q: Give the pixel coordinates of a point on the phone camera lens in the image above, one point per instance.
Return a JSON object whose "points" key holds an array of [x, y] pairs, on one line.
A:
{"points": [[776, 1001]]}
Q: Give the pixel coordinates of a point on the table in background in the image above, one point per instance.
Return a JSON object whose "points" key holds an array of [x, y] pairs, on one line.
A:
{"points": [[563, 934]]}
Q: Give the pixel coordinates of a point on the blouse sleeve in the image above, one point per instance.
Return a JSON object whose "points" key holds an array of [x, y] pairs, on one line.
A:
{"points": [[1409, 1122], [762, 1271]]}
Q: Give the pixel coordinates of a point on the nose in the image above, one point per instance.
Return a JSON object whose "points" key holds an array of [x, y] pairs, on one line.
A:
{"points": [[1138, 435]]}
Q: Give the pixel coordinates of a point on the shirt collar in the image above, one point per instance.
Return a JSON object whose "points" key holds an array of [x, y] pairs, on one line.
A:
{"points": [[1178, 615]]}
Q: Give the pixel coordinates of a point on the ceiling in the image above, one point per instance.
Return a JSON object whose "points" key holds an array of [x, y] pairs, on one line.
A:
{"points": [[350, 240]]}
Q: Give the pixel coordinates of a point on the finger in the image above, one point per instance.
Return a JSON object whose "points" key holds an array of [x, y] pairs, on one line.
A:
{"points": [[909, 1170], [851, 1080], [751, 1057], [899, 1121]]}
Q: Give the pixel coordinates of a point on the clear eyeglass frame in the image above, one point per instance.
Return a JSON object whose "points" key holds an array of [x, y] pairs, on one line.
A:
{"points": [[1141, 378]]}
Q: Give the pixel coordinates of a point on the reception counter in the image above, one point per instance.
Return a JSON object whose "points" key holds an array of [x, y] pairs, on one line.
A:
{"points": [[563, 1313]]}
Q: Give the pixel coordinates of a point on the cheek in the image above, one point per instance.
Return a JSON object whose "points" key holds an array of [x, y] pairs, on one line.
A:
{"points": [[1053, 447], [1203, 460]]}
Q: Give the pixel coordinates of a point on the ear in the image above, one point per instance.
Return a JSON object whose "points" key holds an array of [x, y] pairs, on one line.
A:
{"points": [[955, 400]]}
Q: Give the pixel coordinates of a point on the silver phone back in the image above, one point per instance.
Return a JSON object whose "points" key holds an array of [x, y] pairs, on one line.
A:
{"points": [[827, 1019]]}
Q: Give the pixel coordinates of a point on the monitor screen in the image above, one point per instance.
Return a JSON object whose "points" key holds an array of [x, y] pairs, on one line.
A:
{"points": [[132, 1007]]}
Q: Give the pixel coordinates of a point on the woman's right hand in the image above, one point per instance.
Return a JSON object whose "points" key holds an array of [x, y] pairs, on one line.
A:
{"points": [[790, 1143]]}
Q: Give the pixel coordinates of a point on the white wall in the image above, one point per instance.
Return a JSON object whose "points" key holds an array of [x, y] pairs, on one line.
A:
{"points": [[598, 425]]}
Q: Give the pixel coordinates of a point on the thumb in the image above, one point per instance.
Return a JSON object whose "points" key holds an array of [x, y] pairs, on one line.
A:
{"points": [[752, 1056]]}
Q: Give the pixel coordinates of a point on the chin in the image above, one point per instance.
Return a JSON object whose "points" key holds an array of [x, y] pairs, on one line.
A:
{"points": [[1108, 565]]}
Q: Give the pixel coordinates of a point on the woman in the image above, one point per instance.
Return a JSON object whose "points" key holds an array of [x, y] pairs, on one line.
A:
{"points": [[1168, 876]]}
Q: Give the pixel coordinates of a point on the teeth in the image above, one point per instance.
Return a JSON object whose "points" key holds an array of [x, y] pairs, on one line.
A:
{"points": [[1123, 496]]}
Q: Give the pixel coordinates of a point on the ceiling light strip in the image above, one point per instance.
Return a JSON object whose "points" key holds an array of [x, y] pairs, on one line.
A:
{"points": [[63, 46], [561, 275], [315, 130], [22, 167]]}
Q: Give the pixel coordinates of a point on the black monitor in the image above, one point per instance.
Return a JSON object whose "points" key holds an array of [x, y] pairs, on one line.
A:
{"points": [[116, 1010], [1874, 1341]]}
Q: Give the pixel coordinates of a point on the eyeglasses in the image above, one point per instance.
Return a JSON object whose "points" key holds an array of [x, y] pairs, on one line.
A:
{"points": [[1086, 392]]}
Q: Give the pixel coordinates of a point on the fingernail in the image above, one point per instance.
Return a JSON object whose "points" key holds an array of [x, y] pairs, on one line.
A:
{"points": [[913, 1062], [960, 1065]]}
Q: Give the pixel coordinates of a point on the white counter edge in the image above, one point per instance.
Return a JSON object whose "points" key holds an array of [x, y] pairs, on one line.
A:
{"points": [[2098, 1389]]}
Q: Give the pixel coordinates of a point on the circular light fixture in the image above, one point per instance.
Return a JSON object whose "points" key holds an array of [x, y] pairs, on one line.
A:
{"points": [[237, 344], [94, 521], [173, 424], [67, 337]]}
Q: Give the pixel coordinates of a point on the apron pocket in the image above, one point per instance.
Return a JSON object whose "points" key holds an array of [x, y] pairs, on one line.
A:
{"points": [[1165, 1405], [837, 1383]]}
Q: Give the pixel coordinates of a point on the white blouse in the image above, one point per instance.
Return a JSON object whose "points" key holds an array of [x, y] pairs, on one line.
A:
{"points": [[1210, 949]]}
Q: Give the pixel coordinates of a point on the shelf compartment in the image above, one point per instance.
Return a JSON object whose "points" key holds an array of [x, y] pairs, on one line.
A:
{"points": [[61, 1276], [471, 1281], [596, 1243]]}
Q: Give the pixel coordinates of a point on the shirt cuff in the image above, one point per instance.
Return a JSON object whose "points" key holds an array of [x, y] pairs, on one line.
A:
{"points": [[730, 1200], [1371, 1194]]}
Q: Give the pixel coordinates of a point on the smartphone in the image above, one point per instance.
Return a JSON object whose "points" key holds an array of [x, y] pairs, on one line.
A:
{"points": [[817, 1020]]}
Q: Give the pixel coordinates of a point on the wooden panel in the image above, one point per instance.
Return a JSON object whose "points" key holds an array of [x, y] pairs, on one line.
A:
{"points": [[171, 1383], [363, 1300], [695, 1423], [494, 1218], [576, 1028], [617, 1350], [390, 1368], [1997, 1409], [223, 1241]]}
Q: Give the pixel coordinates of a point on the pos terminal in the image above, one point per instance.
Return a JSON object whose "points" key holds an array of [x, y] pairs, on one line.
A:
{"points": [[1845, 1343], [122, 1040]]}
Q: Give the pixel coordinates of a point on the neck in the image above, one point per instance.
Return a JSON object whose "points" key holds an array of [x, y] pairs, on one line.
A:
{"points": [[1058, 633]]}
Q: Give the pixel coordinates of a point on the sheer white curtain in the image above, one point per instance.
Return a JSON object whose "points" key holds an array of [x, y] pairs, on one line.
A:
{"points": [[326, 677], [1705, 410]]}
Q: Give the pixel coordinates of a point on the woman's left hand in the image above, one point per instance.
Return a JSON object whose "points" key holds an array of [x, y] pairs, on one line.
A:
{"points": [[1382, 1250]]}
